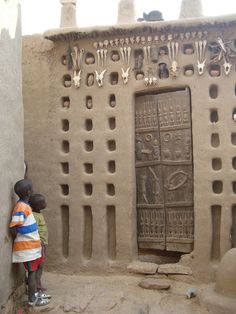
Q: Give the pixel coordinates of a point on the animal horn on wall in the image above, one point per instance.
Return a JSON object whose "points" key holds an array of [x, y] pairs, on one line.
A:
{"points": [[69, 60]]}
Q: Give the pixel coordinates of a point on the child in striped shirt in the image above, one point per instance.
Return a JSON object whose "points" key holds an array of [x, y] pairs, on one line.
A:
{"points": [[27, 245]]}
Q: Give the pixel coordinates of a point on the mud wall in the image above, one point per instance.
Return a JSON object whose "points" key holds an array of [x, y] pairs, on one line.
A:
{"points": [[80, 140], [11, 129]]}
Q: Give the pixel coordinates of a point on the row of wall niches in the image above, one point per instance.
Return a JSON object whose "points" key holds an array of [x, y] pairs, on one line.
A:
{"points": [[215, 139], [214, 91], [88, 189], [216, 215], [88, 126], [89, 104], [217, 186], [214, 117], [162, 72], [88, 231]]}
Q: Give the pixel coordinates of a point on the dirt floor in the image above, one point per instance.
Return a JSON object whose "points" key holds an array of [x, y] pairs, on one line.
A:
{"points": [[114, 295]]}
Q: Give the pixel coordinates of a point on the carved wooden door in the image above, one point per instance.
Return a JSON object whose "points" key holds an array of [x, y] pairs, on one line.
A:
{"points": [[164, 171]]}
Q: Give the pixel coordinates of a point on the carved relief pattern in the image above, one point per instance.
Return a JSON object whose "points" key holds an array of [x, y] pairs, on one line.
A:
{"points": [[173, 111], [178, 184], [151, 225], [147, 146], [180, 224], [176, 145], [146, 115], [149, 185]]}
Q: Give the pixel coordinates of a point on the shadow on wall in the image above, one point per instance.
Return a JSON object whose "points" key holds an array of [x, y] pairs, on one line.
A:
{"points": [[11, 145]]}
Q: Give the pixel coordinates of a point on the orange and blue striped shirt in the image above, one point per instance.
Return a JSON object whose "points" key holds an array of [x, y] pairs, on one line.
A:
{"points": [[27, 245]]}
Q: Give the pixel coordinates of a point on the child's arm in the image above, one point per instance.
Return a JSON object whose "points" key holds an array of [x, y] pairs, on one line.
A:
{"points": [[13, 231], [18, 217]]}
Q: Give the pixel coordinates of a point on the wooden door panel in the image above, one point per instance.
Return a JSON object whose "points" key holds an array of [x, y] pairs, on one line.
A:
{"points": [[164, 171]]}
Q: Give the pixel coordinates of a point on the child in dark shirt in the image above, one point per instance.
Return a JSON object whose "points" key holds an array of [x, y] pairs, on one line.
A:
{"points": [[38, 203]]}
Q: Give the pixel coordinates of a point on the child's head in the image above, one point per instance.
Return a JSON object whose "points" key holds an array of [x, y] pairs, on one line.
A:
{"points": [[37, 202], [23, 188]]}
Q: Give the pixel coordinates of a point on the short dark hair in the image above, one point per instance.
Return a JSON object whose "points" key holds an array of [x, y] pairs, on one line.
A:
{"points": [[22, 187], [35, 200]]}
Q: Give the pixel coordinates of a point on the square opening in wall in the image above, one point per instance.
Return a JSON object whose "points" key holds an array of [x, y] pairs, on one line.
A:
{"points": [[217, 186], [213, 91], [114, 77], [215, 140], [110, 189], [65, 125], [88, 124], [65, 147], [214, 116], [65, 167], [89, 58], [90, 79], [112, 123], [233, 138], [88, 168], [66, 80], [112, 166], [214, 70], [163, 51], [189, 70], [89, 102], [65, 102], [234, 186], [234, 163], [112, 100], [63, 60], [163, 71], [65, 189], [88, 145], [111, 145], [216, 164], [88, 189], [188, 49], [115, 56]]}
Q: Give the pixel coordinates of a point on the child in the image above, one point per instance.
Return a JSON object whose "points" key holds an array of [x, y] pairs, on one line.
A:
{"points": [[38, 203], [27, 246]]}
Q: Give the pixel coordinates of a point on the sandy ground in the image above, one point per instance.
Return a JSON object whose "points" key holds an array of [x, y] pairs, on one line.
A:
{"points": [[115, 295]]}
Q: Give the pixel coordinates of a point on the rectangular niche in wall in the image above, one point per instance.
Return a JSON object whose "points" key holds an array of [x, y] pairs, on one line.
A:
{"points": [[65, 146], [88, 232], [65, 125], [88, 168], [65, 167], [65, 102], [65, 189], [233, 228], [216, 225], [111, 231], [65, 230]]}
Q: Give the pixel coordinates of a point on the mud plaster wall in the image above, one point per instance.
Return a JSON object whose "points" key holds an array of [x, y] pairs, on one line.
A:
{"points": [[11, 130], [90, 228]]}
